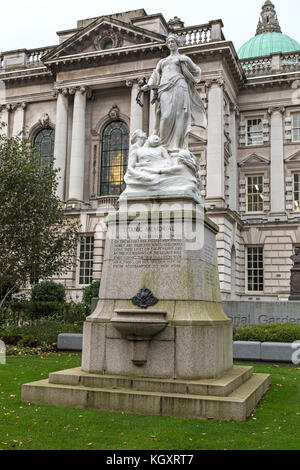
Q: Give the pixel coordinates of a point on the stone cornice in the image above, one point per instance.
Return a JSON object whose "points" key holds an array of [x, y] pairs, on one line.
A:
{"points": [[222, 50], [271, 81], [36, 73], [229, 214]]}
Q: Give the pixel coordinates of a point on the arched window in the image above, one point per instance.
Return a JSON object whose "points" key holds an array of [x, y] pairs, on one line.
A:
{"points": [[114, 158], [44, 145]]}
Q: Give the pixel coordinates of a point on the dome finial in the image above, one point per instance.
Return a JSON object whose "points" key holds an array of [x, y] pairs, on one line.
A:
{"points": [[268, 21]]}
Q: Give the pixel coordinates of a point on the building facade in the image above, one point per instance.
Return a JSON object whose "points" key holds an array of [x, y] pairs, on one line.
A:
{"points": [[76, 102]]}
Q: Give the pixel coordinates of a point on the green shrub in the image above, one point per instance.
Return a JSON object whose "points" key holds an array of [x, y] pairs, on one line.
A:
{"points": [[27, 310], [17, 313], [90, 292], [75, 312], [273, 333], [11, 336], [42, 332], [28, 341], [48, 291]]}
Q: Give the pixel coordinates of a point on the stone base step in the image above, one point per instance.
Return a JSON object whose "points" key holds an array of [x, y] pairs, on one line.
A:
{"points": [[237, 406], [216, 387]]}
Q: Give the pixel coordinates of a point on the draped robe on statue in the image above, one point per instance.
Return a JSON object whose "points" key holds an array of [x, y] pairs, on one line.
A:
{"points": [[180, 105]]}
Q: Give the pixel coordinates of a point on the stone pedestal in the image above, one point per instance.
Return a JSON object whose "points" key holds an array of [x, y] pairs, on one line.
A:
{"points": [[295, 277], [183, 277], [159, 333], [295, 284]]}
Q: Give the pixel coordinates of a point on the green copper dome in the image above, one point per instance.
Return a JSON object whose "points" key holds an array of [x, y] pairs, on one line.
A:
{"points": [[268, 43]]}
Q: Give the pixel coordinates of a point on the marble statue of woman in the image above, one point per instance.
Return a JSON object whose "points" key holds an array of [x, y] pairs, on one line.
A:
{"points": [[180, 105]]}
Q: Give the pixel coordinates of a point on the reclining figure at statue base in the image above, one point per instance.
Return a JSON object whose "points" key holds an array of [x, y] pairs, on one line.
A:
{"points": [[153, 170]]}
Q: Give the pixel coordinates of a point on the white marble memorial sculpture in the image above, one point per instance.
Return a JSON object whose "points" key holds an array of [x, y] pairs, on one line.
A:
{"points": [[163, 164]]}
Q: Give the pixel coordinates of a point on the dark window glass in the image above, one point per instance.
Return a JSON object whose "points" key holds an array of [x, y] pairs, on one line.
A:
{"points": [[114, 158], [44, 146], [296, 191], [296, 127], [86, 255], [255, 269], [255, 193], [254, 132]]}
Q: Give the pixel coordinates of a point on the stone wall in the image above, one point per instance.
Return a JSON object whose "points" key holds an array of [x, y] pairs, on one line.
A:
{"points": [[260, 313]]}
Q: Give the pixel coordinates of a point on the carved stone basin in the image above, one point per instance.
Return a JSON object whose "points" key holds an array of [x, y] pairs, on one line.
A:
{"points": [[139, 327]]}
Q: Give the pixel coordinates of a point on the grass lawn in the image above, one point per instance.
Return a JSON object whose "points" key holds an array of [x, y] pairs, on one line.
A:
{"points": [[274, 425]]}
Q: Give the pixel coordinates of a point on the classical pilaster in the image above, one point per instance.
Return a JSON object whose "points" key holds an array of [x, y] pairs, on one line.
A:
{"points": [[78, 144], [215, 184], [136, 111], [61, 135], [277, 162], [5, 111], [233, 173], [19, 117]]}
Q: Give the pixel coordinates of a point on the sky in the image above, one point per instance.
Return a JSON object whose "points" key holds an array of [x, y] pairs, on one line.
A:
{"points": [[33, 23]]}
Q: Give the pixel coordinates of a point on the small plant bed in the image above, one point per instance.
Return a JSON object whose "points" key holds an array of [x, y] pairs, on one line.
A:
{"points": [[273, 426], [272, 333]]}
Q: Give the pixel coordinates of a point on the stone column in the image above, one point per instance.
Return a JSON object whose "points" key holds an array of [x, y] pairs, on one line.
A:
{"points": [[6, 108], [233, 173], [136, 111], [277, 163], [78, 145], [215, 184], [19, 118], [61, 135]]}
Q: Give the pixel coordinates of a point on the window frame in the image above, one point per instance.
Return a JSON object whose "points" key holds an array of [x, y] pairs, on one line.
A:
{"points": [[40, 131], [258, 175], [254, 292], [294, 128], [78, 275], [293, 182], [102, 166], [259, 144]]}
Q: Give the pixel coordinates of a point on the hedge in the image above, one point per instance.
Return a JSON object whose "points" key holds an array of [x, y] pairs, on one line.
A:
{"points": [[42, 332], [273, 333], [24, 311], [90, 292]]}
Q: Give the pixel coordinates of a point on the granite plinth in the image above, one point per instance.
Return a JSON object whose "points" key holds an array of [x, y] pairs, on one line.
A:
{"points": [[234, 396]]}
